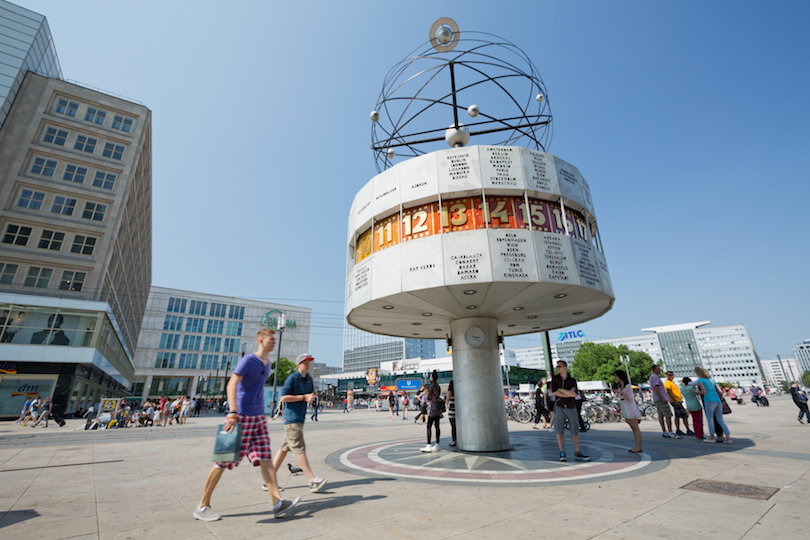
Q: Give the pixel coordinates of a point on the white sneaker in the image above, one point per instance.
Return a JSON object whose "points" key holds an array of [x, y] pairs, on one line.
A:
{"points": [[316, 484], [436, 448], [428, 448], [206, 514]]}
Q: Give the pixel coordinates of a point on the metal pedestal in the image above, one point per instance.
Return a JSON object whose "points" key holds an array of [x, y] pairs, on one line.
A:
{"points": [[480, 412]]}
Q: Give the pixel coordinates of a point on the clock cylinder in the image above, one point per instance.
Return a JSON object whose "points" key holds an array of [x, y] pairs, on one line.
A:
{"points": [[480, 415]]}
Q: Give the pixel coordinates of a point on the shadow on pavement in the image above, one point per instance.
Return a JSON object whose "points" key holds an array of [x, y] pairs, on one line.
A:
{"points": [[16, 516]]}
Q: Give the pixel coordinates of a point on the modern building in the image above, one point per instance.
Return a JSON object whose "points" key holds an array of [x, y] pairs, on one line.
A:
{"points": [[801, 352], [75, 229], [191, 341], [364, 350], [26, 45], [781, 370], [726, 351], [416, 370]]}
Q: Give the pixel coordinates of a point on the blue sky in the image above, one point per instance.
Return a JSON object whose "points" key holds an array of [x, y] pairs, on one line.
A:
{"points": [[688, 120]]}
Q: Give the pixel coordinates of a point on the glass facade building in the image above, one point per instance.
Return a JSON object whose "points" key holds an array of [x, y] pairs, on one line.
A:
{"points": [[69, 350], [191, 341], [364, 350], [26, 45]]}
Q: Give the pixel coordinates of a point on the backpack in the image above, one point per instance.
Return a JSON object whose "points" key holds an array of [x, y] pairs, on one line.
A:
{"points": [[442, 406]]}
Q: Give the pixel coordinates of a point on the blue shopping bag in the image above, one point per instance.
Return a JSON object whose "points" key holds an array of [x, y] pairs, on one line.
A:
{"points": [[228, 444]]}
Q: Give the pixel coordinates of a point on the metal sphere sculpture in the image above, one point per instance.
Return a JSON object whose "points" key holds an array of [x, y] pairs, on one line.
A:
{"points": [[477, 74]]}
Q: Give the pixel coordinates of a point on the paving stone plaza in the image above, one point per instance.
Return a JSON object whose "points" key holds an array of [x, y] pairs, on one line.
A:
{"points": [[145, 483]]}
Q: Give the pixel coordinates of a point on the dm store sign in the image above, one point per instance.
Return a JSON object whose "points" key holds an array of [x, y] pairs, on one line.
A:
{"points": [[14, 392]]}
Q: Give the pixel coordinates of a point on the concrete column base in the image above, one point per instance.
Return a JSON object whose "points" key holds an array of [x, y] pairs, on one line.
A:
{"points": [[478, 386], [193, 386]]}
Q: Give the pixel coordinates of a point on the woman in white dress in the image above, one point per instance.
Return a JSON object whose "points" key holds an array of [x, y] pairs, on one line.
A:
{"points": [[630, 412]]}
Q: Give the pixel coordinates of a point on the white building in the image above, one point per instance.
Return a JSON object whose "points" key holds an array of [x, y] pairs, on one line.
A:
{"points": [[781, 370], [190, 341], [801, 352], [726, 351]]}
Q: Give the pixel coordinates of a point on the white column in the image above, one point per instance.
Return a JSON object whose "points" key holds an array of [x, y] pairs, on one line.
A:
{"points": [[480, 413], [147, 384], [193, 386]]}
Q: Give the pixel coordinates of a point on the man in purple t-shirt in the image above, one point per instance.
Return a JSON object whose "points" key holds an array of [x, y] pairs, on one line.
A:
{"points": [[661, 401], [246, 390]]}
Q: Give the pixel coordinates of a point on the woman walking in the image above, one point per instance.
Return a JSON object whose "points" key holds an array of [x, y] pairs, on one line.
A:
{"points": [[434, 412], [627, 404], [540, 405], [451, 413], [711, 402]]}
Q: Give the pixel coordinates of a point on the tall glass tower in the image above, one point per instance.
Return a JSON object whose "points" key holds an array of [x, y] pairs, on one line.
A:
{"points": [[364, 350], [26, 45]]}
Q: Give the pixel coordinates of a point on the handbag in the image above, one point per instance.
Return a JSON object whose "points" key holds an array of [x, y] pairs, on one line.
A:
{"points": [[228, 445], [726, 408]]}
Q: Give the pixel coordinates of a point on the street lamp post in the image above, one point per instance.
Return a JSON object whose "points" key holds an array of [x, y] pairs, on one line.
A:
{"points": [[282, 319], [625, 360]]}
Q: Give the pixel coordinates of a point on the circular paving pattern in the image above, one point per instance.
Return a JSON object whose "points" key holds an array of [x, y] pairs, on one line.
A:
{"points": [[533, 459]]}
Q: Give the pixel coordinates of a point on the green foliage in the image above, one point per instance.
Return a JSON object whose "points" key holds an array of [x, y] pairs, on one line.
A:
{"points": [[784, 386], [285, 369], [598, 362], [806, 378], [525, 375], [725, 385]]}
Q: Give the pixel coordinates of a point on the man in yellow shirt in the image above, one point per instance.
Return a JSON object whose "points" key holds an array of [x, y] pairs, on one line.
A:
{"points": [[677, 404]]}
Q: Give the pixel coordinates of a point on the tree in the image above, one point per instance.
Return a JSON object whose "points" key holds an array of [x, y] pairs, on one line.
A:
{"points": [[784, 386], [598, 362], [285, 368], [806, 378]]}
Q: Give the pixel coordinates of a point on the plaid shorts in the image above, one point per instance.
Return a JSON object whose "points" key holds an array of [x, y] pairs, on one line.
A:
{"points": [[255, 442]]}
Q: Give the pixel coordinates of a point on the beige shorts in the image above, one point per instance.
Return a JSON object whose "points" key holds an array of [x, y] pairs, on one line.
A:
{"points": [[293, 439]]}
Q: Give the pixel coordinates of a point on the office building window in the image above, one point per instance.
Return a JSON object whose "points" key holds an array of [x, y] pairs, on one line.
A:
{"points": [[95, 116], [209, 361], [195, 325], [55, 136], [231, 345], [17, 235], [170, 341], [38, 277], [30, 199], [7, 273], [94, 211], [236, 312], [104, 180], [177, 305], [212, 344], [215, 327], [123, 123], [74, 173], [72, 281], [85, 144], [83, 245], [233, 329], [165, 360], [197, 307], [63, 205], [191, 343], [66, 107], [187, 361], [218, 310], [51, 240], [115, 151], [173, 323], [43, 167]]}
